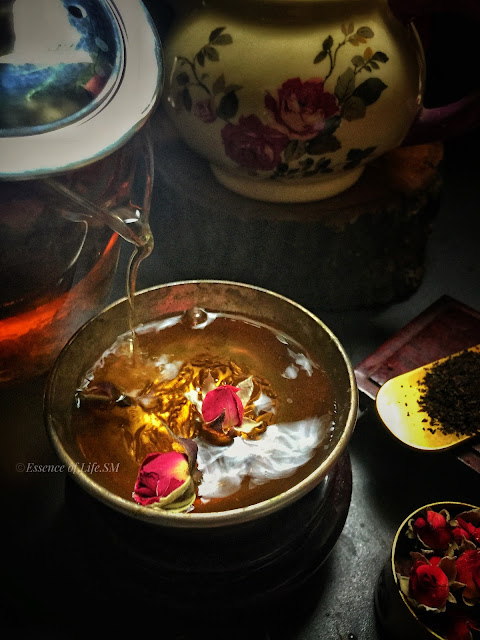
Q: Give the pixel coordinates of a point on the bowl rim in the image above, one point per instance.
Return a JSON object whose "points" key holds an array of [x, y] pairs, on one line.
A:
{"points": [[443, 505], [215, 518]]}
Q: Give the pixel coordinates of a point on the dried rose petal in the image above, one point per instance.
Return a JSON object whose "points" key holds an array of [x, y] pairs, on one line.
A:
{"points": [[223, 399], [162, 477], [245, 390], [216, 434], [103, 395], [191, 450]]}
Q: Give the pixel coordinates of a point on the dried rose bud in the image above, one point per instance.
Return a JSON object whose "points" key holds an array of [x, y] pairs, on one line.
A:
{"points": [[468, 572], [468, 526], [162, 478], [459, 626], [428, 585], [433, 530]]}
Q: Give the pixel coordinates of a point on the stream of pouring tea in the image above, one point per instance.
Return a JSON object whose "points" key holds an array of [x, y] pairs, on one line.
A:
{"points": [[143, 248], [130, 221]]}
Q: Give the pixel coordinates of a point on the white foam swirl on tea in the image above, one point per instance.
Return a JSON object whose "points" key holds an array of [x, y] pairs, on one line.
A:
{"points": [[276, 454]]}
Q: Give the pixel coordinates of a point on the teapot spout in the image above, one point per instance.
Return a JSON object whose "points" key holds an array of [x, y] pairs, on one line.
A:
{"points": [[129, 221]]}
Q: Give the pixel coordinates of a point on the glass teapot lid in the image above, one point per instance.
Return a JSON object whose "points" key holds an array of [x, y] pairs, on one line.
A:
{"points": [[77, 80]]}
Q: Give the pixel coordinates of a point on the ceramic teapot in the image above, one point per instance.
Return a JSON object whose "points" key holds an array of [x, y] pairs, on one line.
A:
{"points": [[289, 99], [75, 164]]}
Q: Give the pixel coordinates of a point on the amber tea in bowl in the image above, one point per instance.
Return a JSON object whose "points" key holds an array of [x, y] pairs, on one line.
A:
{"points": [[117, 400]]}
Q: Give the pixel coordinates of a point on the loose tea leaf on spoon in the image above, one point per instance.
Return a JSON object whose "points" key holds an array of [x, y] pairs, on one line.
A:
{"points": [[450, 394], [436, 406]]}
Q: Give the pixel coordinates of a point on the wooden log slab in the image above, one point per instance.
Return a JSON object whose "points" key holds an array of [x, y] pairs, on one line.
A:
{"points": [[362, 248]]}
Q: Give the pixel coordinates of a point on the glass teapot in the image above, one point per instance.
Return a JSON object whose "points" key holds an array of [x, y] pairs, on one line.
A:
{"points": [[78, 82]]}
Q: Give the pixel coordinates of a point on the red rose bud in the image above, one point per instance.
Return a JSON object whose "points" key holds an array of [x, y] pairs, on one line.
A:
{"points": [[458, 533], [460, 626], [470, 531], [161, 475], [468, 572], [428, 585], [223, 399], [434, 531]]}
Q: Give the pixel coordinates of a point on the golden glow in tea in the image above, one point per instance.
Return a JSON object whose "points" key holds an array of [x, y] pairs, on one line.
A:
{"points": [[217, 410]]}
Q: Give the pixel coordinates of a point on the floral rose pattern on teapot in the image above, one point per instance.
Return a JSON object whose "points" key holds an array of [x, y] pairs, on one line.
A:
{"points": [[303, 115]]}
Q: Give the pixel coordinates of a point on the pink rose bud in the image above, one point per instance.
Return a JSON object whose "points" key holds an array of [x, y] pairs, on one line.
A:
{"points": [[160, 474], [223, 399]]}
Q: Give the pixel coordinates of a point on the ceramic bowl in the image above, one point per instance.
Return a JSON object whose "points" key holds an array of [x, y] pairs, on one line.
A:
{"points": [[397, 616], [277, 542]]}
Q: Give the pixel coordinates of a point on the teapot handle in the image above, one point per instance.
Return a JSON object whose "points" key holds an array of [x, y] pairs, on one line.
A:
{"points": [[457, 117]]}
